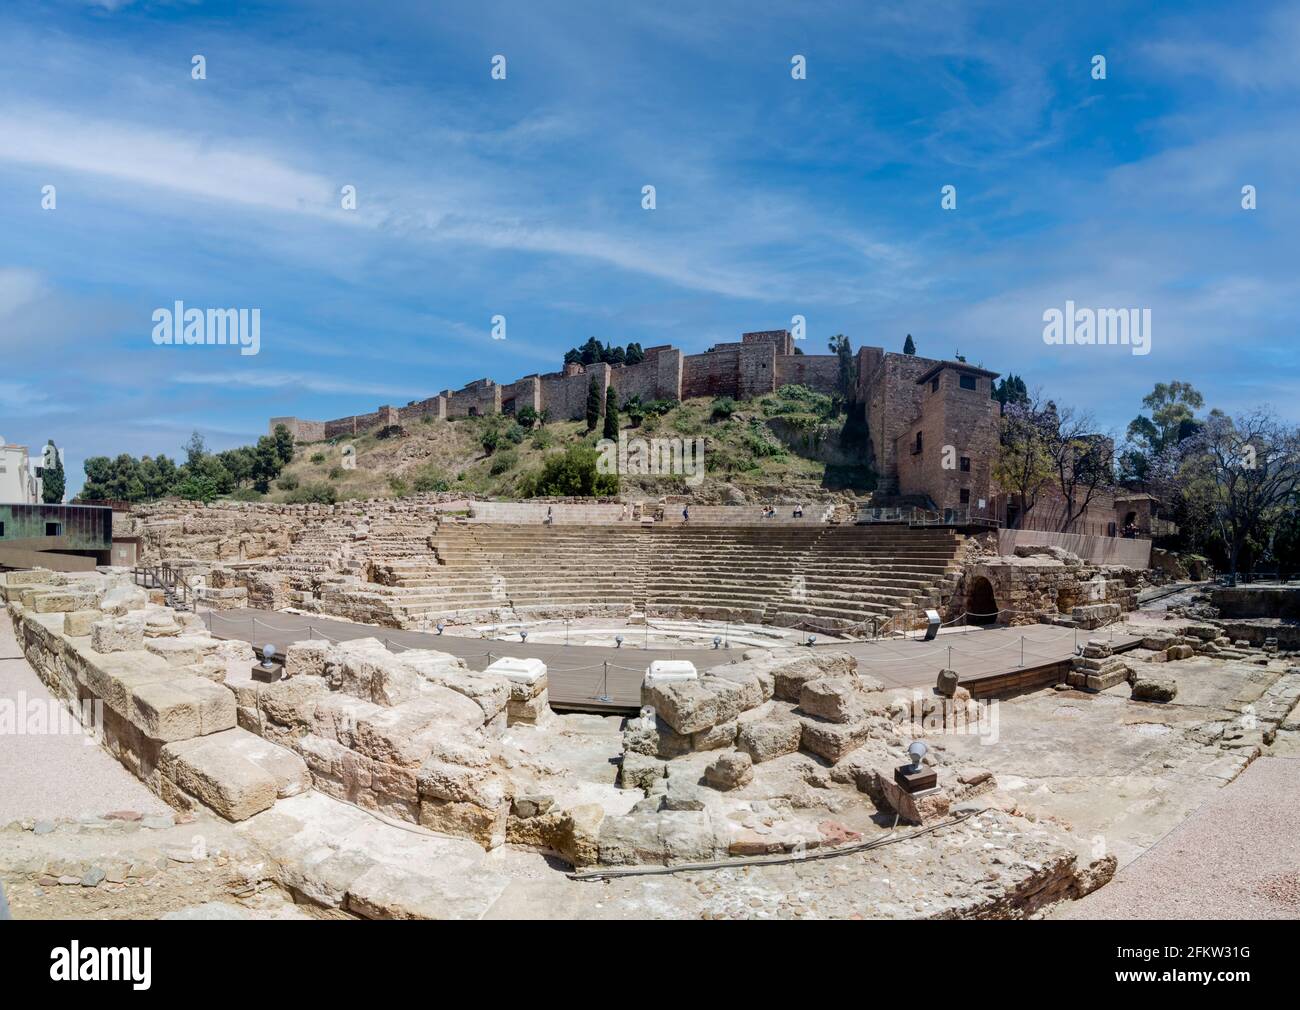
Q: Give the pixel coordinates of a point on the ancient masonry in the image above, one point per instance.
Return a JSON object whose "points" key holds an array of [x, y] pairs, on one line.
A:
{"points": [[915, 406]]}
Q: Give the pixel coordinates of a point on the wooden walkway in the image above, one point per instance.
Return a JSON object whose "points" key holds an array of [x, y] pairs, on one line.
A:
{"points": [[601, 678]]}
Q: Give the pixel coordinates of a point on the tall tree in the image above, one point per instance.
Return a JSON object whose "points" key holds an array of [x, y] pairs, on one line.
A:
{"points": [[53, 483], [909, 345], [611, 413], [1250, 468], [195, 449], [1083, 461], [1023, 467], [1172, 410], [593, 403]]}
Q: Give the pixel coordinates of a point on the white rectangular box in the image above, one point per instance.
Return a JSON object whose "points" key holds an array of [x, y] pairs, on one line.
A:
{"points": [[520, 671]]}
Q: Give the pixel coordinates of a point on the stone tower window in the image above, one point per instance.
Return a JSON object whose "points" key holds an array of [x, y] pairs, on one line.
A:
{"points": [[968, 382]]}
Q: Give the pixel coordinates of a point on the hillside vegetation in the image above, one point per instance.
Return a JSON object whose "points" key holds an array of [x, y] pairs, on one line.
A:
{"points": [[785, 442]]}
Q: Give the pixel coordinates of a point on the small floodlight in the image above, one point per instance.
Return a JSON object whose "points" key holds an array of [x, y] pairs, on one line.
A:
{"points": [[917, 752], [812, 640], [618, 641], [717, 641], [523, 636], [440, 626], [268, 654]]}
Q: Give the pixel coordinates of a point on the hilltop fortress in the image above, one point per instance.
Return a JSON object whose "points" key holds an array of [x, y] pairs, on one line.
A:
{"points": [[933, 423]]}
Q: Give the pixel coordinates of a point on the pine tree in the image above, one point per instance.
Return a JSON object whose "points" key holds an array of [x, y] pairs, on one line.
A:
{"points": [[52, 480], [611, 413], [593, 404], [909, 346]]}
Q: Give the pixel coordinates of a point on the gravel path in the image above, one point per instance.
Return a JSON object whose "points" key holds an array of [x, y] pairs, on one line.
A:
{"points": [[1237, 857], [53, 774]]}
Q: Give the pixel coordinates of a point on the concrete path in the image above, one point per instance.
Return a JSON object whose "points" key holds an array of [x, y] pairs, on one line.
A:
{"points": [[579, 676], [1236, 857], [48, 767]]}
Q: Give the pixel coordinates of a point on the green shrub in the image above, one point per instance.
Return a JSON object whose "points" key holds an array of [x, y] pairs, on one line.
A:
{"points": [[503, 461], [318, 458], [490, 440], [398, 486], [245, 494], [516, 433], [336, 473], [313, 494], [287, 483], [723, 408], [543, 439], [430, 479], [570, 473]]}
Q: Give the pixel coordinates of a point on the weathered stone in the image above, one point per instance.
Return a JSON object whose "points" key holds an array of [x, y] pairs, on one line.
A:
{"points": [[637, 771], [766, 739], [117, 634], [947, 683], [730, 771], [687, 705], [1158, 689], [305, 658], [832, 698]]}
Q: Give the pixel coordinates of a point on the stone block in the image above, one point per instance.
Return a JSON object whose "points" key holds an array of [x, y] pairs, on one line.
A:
{"points": [[405, 735], [306, 658], [222, 773], [121, 600], [832, 698], [686, 705], [730, 771], [721, 735], [667, 671], [832, 740], [639, 771], [765, 739], [117, 634], [1158, 689], [77, 623], [485, 825], [336, 716], [292, 702], [181, 650]]}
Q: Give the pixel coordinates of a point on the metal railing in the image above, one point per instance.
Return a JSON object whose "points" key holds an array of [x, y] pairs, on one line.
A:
{"points": [[168, 579]]}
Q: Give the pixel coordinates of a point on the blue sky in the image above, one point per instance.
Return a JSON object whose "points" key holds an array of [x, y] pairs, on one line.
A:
{"points": [[522, 197]]}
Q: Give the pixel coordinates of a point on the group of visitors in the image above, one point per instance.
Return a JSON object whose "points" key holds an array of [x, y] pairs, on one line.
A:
{"points": [[770, 513]]}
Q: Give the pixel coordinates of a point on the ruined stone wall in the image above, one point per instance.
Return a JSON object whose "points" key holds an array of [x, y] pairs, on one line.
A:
{"points": [[565, 396], [1041, 583], [434, 406], [658, 377], [525, 392], [737, 370], [480, 398], [302, 431], [819, 372]]}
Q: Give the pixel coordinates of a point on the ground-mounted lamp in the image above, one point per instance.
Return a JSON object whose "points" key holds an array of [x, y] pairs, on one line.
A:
{"points": [[717, 641], [810, 641], [440, 626], [932, 625], [268, 670], [915, 777], [523, 636], [618, 641]]}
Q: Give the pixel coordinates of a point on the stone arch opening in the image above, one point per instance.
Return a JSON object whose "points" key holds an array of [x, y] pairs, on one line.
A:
{"points": [[981, 603]]}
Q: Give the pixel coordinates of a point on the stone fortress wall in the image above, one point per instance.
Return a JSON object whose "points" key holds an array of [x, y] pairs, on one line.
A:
{"points": [[761, 362]]}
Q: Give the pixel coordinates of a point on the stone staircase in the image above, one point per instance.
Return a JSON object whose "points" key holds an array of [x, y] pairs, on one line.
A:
{"points": [[816, 577], [322, 549]]}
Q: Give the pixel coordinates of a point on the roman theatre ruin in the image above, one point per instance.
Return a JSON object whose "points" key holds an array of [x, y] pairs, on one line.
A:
{"points": [[438, 707]]}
